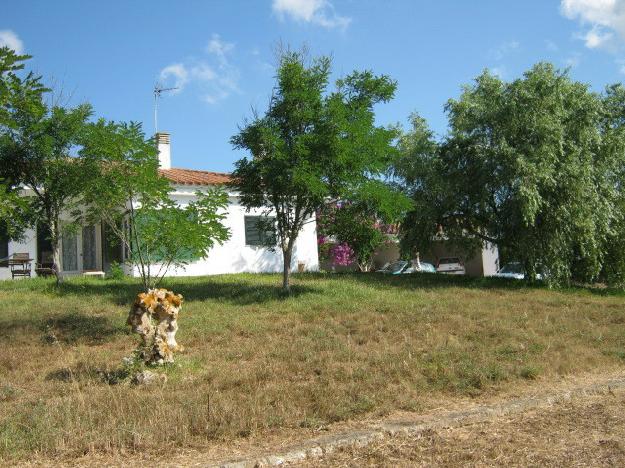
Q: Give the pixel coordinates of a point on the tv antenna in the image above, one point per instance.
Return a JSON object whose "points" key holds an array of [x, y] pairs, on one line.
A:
{"points": [[158, 90]]}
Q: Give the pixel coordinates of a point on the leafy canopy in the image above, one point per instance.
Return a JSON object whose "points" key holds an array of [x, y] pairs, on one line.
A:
{"points": [[37, 153], [527, 165], [19, 92], [127, 193], [313, 145]]}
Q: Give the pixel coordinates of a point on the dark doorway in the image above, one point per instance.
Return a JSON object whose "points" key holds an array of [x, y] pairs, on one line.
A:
{"points": [[44, 247], [89, 254], [111, 249]]}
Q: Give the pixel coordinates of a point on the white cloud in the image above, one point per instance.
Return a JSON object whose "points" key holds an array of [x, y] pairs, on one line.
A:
{"points": [[551, 46], [500, 72], [176, 75], [203, 72], [319, 12], [226, 80], [601, 18], [214, 78], [573, 61], [596, 37], [504, 49], [218, 47], [9, 39]]}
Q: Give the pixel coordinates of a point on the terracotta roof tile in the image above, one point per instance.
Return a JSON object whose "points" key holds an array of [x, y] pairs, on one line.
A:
{"points": [[194, 177]]}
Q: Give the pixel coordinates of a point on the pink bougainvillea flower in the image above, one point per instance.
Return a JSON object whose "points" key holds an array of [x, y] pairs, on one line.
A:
{"points": [[342, 254]]}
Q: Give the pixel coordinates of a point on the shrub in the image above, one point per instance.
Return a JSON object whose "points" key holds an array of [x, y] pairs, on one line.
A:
{"points": [[116, 272]]}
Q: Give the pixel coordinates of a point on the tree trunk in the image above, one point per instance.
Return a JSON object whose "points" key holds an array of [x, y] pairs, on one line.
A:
{"points": [[56, 255], [530, 271], [286, 271]]}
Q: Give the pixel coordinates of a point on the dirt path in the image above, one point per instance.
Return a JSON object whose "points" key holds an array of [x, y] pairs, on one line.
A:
{"points": [[583, 431], [574, 422]]}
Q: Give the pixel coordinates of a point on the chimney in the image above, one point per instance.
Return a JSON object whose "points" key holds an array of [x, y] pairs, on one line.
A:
{"points": [[164, 150]]}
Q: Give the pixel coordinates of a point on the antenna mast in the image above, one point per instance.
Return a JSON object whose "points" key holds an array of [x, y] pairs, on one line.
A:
{"points": [[158, 90]]}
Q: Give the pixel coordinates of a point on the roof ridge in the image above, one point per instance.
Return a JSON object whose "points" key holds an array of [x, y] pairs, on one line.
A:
{"points": [[195, 176], [197, 170]]}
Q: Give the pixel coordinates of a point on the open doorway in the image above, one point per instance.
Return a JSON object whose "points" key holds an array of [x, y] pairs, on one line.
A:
{"points": [[112, 251], [44, 247]]}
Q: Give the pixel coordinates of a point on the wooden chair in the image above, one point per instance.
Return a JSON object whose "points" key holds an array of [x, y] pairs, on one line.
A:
{"points": [[46, 266], [20, 265]]}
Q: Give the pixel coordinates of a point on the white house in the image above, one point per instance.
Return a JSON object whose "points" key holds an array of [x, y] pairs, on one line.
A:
{"points": [[90, 249]]}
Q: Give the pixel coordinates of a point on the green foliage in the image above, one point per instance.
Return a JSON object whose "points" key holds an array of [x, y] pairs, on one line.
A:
{"points": [[612, 154], [16, 90], [529, 372], [116, 272], [534, 166], [359, 231], [312, 145], [19, 95], [127, 193], [417, 172], [36, 146], [356, 224]]}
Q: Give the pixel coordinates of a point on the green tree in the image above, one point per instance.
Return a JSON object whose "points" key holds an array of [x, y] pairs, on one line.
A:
{"points": [[312, 146], [524, 166], [36, 154], [23, 91], [126, 192], [416, 173], [613, 156], [16, 89]]}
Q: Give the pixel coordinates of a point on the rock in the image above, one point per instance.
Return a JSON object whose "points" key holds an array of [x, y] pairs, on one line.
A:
{"points": [[147, 377], [128, 361], [154, 316]]}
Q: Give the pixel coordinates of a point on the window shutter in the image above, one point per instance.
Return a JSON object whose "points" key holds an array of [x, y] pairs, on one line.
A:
{"points": [[253, 234]]}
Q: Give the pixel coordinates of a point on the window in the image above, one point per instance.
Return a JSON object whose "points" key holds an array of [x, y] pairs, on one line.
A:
{"points": [[69, 250], [259, 230]]}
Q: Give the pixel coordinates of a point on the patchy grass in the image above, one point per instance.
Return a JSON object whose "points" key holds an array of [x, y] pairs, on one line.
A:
{"points": [[340, 347], [588, 431]]}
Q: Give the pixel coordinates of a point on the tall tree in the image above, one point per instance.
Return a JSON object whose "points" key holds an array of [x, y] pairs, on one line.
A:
{"points": [[613, 158], [416, 172], [36, 154], [126, 192], [18, 90], [312, 145], [523, 167]]}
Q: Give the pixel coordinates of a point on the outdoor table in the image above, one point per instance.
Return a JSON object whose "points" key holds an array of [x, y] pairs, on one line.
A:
{"points": [[20, 266]]}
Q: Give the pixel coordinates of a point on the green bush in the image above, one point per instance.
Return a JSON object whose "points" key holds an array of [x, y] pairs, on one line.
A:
{"points": [[116, 272]]}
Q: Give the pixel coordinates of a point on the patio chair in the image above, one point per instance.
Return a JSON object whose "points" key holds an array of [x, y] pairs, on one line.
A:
{"points": [[20, 265], [46, 266]]}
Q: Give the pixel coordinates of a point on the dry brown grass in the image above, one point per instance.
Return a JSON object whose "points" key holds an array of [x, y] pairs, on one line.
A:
{"points": [[341, 347], [588, 431]]}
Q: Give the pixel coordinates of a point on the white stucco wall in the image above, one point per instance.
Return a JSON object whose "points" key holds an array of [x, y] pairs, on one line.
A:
{"points": [[231, 257], [490, 259], [234, 256]]}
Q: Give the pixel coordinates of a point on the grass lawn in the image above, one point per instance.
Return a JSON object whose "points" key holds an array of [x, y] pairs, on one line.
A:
{"points": [[340, 347]]}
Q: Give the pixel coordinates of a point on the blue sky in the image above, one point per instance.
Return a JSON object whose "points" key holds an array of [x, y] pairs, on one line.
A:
{"points": [[221, 53]]}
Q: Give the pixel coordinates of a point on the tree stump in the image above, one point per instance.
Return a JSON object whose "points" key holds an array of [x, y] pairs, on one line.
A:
{"points": [[154, 316]]}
